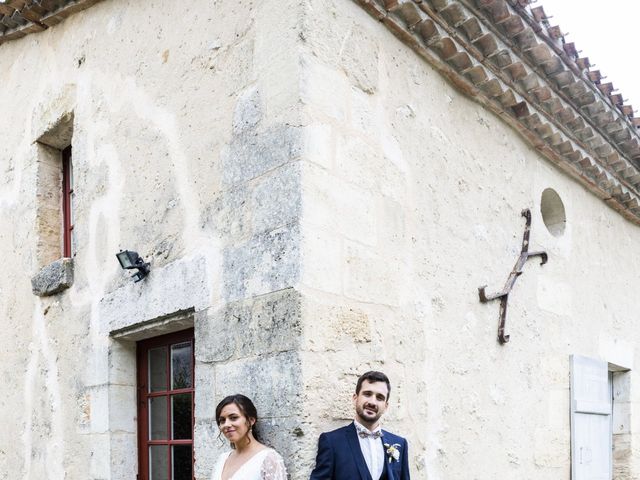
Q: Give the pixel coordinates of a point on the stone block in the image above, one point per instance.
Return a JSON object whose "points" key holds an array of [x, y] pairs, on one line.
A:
{"points": [[180, 285], [335, 372], [122, 408], [360, 59], [123, 464], [229, 213], [323, 260], [98, 404], [337, 326], [372, 166], [99, 464], [205, 404], [621, 419], [277, 199], [285, 435], [96, 367], [362, 264], [122, 363], [248, 111], [319, 145], [325, 88], [391, 214], [265, 324], [273, 382], [53, 118], [253, 153], [53, 278], [59, 134], [362, 113], [337, 205], [264, 264], [208, 444]]}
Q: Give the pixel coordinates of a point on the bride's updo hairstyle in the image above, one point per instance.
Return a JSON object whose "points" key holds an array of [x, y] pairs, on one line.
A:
{"points": [[246, 407]]}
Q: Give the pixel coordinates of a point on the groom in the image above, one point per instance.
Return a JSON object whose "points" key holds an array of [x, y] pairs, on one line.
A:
{"points": [[362, 450]]}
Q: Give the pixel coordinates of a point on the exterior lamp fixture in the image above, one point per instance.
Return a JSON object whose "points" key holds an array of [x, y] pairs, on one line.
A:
{"points": [[129, 260]]}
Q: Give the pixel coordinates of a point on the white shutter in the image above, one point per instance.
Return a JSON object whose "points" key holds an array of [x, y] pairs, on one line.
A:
{"points": [[591, 408]]}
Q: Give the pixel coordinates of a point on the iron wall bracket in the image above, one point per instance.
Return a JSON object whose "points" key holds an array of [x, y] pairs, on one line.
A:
{"points": [[513, 276]]}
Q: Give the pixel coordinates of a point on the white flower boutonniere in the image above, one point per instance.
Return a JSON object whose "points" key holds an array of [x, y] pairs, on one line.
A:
{"points": [[393, 451]]}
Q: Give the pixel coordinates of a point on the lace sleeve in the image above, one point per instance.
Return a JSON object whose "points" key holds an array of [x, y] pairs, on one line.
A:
{"points": [[273, 467]]}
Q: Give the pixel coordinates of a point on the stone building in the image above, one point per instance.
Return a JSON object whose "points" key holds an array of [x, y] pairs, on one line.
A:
{"points": [[320, 187]]}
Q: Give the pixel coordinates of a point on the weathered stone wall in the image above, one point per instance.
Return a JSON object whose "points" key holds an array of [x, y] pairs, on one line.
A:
{"points": [[314, 201], [186, 147], [413, 204]]}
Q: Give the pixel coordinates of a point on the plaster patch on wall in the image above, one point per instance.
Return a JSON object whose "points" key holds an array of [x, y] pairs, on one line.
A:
{"points": [[105, 210], [124, 91], [554, 296], [42, 350], [164, 120], [433, 447]]}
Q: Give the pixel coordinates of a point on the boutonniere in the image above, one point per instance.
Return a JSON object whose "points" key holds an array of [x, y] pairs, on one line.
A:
{"points": [[393, 451]]}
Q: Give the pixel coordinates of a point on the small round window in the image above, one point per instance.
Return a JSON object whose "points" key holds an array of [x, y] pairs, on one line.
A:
{"points": [[553, 213]]}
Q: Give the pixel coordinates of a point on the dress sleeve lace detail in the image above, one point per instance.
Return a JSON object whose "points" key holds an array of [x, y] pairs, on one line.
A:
{"points": [[273, 467]]}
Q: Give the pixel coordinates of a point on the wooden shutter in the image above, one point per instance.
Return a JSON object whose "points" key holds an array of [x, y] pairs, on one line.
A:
{"points": [[591, 409]]}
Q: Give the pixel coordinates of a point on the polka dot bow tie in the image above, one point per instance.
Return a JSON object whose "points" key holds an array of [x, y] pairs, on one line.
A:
{"points": [[366, 434]]}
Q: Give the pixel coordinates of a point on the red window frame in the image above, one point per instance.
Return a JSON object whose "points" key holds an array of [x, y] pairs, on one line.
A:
{"points": [[67, 195], [143, 348]]}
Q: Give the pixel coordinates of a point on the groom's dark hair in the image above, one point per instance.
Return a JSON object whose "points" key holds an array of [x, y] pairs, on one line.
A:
{"points": [[373, 377]]}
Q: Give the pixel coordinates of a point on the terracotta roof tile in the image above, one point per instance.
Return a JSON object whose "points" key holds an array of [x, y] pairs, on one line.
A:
{"points": [[535, 79], [22, 17]]}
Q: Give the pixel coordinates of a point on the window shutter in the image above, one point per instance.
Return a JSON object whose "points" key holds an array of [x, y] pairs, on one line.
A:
{"points": [[591, 409]]}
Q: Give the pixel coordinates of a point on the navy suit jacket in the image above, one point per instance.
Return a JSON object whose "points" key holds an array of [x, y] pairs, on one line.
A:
{"points": [[340, 458]]}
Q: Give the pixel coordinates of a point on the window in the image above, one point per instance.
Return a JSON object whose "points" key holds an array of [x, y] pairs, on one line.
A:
{"points": [[591, 410], [599, 399], [165, 407], [67, 203], [55, 192]]}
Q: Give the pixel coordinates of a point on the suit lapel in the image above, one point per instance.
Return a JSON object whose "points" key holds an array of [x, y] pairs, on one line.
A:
{"points": [[354, 444], [387, 464]]}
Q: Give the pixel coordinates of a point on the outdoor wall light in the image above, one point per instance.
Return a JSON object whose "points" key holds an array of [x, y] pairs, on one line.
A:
{"points": [[129, 260]]}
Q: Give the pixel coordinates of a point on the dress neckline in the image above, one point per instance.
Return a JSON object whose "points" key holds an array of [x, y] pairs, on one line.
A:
{"points": [[255, 455]]}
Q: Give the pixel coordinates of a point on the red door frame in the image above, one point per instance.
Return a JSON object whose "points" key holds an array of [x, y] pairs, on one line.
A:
{"points": [[143, 348]]}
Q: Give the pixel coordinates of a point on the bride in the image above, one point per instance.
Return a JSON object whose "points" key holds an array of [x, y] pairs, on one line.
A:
{"points": [[249, 459]]}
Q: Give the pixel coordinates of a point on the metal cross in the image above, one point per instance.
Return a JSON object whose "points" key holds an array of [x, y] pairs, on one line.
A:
{"points": [[515, 273]]}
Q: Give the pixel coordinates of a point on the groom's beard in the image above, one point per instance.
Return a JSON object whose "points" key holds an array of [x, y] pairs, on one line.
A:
{"points": [[369, 414]]}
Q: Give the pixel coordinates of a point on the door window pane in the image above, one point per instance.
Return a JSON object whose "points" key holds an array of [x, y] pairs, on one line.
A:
{"points": [[158, 418], [158, 464], [157, 369], [181, 365], [181, 416], [181, 461], [165, 411]]}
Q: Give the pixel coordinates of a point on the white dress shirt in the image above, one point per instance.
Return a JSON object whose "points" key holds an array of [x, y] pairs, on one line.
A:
{"points": [[372, 451]]}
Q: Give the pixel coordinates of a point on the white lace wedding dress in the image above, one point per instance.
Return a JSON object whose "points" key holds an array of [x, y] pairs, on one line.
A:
{"points": [[267, 464]]}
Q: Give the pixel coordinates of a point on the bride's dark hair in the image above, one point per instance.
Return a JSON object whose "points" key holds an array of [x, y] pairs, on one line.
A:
{"points": [[246, 407]]}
